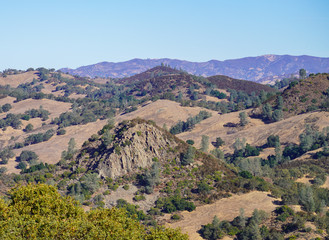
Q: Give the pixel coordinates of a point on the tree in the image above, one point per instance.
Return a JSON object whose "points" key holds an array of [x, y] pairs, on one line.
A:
{"points": [[278, 152], [28, 128], [239, 144], [70, 150], [188, 157], [204, 143], [302, 73], [306, 199], [243, 119], [277, 115], [6, 107], [219, 142], [40, 212], [28, 156], [272, 140], [267, 112], [242, 218], [280, 103]]}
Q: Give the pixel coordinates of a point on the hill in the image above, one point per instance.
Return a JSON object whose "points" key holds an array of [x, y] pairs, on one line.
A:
{"points": [[263, 69], [224, 82], [306, 95], [166, 82]]}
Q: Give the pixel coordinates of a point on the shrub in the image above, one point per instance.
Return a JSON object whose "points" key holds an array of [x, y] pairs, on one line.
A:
{"points": [[28, 156]]}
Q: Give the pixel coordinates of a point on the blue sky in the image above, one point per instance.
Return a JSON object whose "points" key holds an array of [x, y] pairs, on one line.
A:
{"points": [[72, 33]]}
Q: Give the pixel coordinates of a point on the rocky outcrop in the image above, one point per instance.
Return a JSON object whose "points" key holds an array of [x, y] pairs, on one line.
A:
{"points": [[134, 146]]}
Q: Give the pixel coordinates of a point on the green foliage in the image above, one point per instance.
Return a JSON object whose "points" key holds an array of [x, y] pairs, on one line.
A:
{"points": [[218, 94], [5, 155], [150, 178], [243, 118], [267, 112], [28, 128], [204, 143], [219, 142], [190, 141], [190, 123], [173, 204], [40, 212], [61, 131], [39, 137], [272, 140], [212, 231], [187, 157], [28, 156], [302, 73], [245, 174]]}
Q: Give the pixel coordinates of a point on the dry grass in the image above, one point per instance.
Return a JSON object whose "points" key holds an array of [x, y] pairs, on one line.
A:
{"points": [[163, 112], [54, 107], [8, 99], [15, 80], [255, 133], [224, 209], [50, 151]]}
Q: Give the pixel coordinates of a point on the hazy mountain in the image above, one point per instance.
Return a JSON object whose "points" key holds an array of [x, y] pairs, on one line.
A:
{"points": [[263, 69]]}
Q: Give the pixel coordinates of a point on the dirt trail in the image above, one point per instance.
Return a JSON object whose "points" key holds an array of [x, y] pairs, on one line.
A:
{"points": [[225, 209]]}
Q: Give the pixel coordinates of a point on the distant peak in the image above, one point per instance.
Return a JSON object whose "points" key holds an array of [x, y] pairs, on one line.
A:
{"points": [[270, 57]]}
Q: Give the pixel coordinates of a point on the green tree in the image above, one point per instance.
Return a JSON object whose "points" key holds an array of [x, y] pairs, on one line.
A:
{"points": [[28, 128], [307, 199], [243, 119], [277, 115], [280, 103], [40, 212], [70, 150], [278, 152], [204, 143], [188, 157], [267, 112], [219, 142], [302, 73]]}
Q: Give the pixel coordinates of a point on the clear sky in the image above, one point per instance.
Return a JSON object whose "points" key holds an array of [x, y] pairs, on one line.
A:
{"points": [[72, 33]]}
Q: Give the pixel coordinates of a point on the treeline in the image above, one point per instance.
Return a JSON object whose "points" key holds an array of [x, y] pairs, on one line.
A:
{"points": [[190, 123], [14, 120]]}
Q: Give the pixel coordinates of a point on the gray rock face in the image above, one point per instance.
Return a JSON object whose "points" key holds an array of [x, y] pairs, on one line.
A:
{"points": [[138, 147]]}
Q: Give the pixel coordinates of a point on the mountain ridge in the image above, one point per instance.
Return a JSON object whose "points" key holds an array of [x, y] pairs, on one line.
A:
{"points": [[263, 69]]}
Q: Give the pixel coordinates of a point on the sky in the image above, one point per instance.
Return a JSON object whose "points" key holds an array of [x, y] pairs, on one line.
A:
{"points": [[73, 33]]}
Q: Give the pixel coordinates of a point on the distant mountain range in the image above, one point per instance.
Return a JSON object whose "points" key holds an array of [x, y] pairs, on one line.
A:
{"points": [[262, 69]]}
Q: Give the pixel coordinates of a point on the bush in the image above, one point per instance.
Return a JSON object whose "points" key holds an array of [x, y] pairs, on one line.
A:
{"points": [[28, 156], [28, 128], [61, 131], [246, 174], [175, 217]]}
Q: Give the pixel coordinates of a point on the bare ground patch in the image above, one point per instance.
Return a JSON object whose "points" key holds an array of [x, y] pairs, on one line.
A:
{"points": [[224, 209]]}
